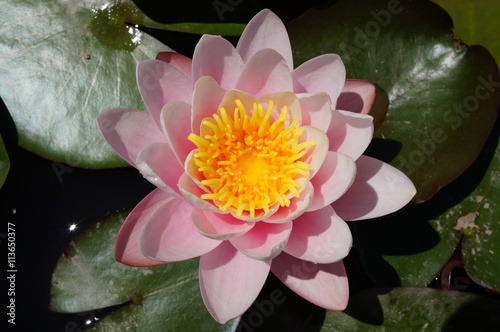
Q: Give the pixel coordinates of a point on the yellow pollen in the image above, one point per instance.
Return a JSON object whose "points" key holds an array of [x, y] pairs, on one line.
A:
{"points": [[250, 163]]}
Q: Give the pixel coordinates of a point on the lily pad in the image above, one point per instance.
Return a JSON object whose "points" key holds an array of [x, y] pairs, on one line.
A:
{"points": [[478, 219], [4, 163], [70, 61], [476, 22], [443, 94], [411, 247], [59, 71], [415, 309], [87, 277]]}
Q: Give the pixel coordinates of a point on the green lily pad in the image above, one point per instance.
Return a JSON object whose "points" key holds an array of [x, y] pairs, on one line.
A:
{"points": [[161, 298], [57, 76], [478, 219], [415, 309], [69, 62], [476, 22], [4, 163], [443, 94], [411, 247]]}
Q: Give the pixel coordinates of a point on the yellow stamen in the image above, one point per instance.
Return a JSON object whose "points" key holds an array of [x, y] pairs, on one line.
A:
{"points": [[250, 163]]}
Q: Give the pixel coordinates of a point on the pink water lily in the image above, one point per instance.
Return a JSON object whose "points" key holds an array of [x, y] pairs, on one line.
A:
{"points": [[257, 164]]}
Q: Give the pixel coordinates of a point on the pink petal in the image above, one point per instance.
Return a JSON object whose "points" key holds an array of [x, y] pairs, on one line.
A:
{"points": [[316, 110], [157, 164], [160, 83], [192, 192], [378, 189], [192, 170], [207, 96], [228, 101], [175, 119], [219, 226], [170, 236], [280, 100], [259, 214], [325, 73], [265, 72], [127, 248], [265, 30], [325, 285], [128, 131], [350, 133], [230, 281], [264, 241], [357, 96], [297, 206], [216, 57], [181, 62], [319, 237], [316, 154], [332, 180]]}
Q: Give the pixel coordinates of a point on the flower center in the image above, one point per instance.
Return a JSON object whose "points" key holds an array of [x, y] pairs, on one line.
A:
{"points": [[250, 164]]}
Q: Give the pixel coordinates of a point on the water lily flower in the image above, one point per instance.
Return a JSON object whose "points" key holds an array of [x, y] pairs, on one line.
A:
{"points": [[257, 165]]}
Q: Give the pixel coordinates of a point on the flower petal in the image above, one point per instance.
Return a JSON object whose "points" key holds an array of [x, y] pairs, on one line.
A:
{"points": [[216, 57], [230, 281], [264, 241], [192, 192], [128, 131], [378, 189], [324, 73], [280, 100], [259, 214], [316, 154], [207, 96], [350, 133], [357, 96], [175, 120], [127, 247], [170, 236], [192, 170], [322, 284], [160, 83], [265, 30], [155, 162], [297, 206], [316, 110], [228, 102], [265, 72], [319, 237], [179, 61], [219, 226], [335, 176]]}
